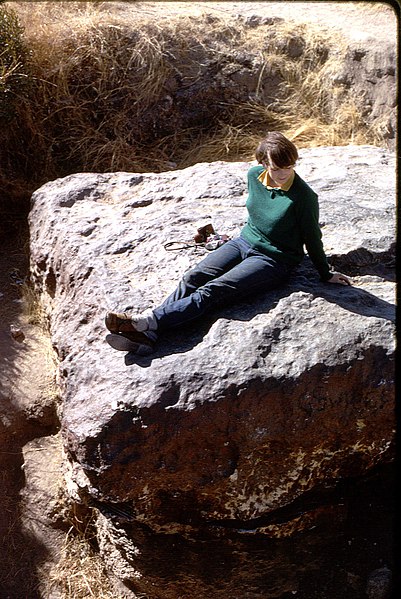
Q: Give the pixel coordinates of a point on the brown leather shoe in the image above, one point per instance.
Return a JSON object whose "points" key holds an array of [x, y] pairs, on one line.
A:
{"points": [[137, 343], [118, 322]]}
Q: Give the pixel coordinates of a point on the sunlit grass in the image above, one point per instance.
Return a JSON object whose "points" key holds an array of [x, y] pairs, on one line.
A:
{"points": [[102, 78]]}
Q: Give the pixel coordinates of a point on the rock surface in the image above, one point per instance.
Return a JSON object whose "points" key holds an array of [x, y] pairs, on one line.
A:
{"points": [[256, 407], [379, 584]]}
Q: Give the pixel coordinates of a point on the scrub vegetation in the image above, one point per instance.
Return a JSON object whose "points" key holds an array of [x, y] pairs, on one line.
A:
{"points": [[107, 90], [80, 572]]}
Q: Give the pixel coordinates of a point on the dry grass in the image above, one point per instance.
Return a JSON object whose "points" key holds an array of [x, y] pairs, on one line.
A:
{"points": [[102, 77], [79, 573], [33, 309]]}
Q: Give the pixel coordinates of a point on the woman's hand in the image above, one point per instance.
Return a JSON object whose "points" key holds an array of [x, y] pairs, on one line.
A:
{"points": [[339, 278]]}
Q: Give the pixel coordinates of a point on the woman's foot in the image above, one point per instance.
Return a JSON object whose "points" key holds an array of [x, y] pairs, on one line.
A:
{"points": [[123, 322], [118, 322], [134, 342]]}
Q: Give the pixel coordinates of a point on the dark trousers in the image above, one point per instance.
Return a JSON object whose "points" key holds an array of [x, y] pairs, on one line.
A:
{"points": [[231, 272]]}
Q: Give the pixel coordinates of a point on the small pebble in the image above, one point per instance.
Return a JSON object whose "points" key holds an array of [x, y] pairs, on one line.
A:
{"points": [[17, 333]]}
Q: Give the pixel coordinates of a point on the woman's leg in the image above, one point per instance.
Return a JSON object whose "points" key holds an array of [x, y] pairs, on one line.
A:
{"points": [[233, 271], [215, 264], [255, 273]]}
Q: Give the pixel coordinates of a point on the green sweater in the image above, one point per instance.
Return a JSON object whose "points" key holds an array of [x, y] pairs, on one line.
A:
{"points": [[281, 222]]}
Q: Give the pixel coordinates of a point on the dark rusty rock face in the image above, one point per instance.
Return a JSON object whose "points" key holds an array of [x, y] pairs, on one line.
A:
{"points": [[248, 452]]}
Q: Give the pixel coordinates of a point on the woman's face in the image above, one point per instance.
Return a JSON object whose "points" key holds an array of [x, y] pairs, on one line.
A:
{"points": [[278, 175]]}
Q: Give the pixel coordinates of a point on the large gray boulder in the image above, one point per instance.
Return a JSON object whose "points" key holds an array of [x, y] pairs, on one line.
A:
{"points": [[258, 404]]}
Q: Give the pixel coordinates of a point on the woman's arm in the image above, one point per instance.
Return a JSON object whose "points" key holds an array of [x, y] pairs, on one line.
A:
{"points": [[312, 236]]}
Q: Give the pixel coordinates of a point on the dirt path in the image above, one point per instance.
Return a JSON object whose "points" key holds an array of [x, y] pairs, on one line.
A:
{"points": [[27, 411]]}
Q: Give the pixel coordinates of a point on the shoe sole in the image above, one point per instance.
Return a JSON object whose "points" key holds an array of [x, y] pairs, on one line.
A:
{"points": [[121, 343]]}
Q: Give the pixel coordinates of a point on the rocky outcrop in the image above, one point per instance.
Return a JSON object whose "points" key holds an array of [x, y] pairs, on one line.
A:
{"points": [[236, 420], [214, 78], [370, 72]]}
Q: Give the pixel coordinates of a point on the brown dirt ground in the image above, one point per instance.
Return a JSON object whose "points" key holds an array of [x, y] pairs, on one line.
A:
{"points": [[27, 409]]}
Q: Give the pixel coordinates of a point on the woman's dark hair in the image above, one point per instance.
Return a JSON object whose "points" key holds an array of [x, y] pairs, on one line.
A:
{"points": [[277, 149]]}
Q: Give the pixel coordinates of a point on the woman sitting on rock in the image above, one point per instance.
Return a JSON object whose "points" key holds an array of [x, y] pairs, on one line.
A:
{"points": [[283, 215]]}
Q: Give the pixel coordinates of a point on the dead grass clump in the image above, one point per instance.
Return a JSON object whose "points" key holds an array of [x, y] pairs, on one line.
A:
{"points": [[79, 573], [307, 107], [118, 89], [32, 307], [14, 60], [97, 82]]}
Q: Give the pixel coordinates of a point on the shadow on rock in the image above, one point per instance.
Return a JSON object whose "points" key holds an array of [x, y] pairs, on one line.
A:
{"points": [[363, 262], [351, 298]]}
